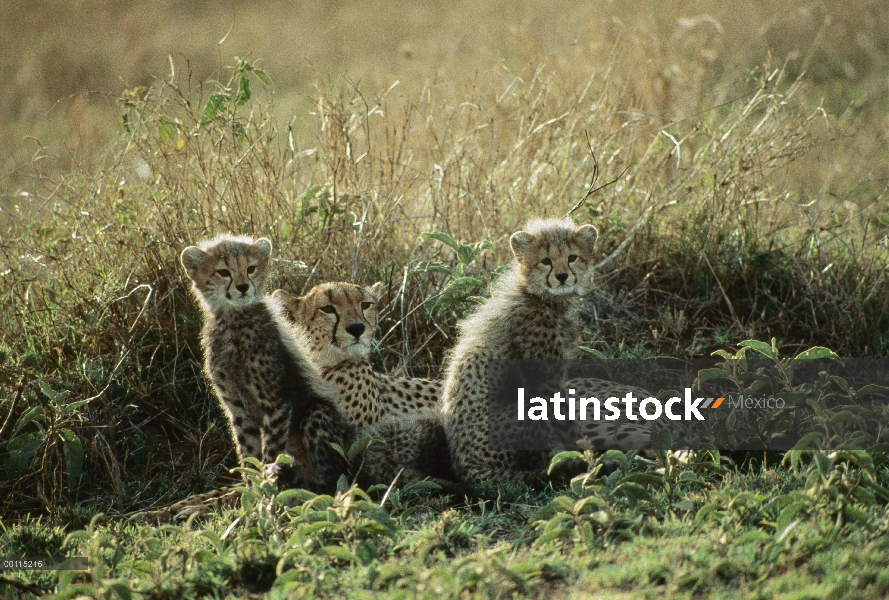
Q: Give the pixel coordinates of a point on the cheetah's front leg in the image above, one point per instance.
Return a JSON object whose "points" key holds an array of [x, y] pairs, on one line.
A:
{"points": [[245, 429], [275, 431]]}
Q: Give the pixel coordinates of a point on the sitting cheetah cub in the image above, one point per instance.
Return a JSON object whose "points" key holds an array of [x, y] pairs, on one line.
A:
{"points": [[275, 399], [531, 315], [339, 321]]}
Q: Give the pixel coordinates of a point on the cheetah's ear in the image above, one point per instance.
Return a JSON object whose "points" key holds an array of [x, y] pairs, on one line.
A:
{"points": [[376, 290], [191, 259], [264, 245], [522, 243], [586, 236], [288, 302]]}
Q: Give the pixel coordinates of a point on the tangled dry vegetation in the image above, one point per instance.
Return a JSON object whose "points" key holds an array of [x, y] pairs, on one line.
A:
{"points": [[730, 223]]}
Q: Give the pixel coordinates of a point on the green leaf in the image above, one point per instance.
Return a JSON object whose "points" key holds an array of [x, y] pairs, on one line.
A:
{"points": [[243, 94], [562, 457], [787, 515], [618, 456], [840, 382], [557, 505], [806, 442], [443, 238], [22, 448], [357, 447], [51, 393], [121, 589], [817, 352], [213, 109], [339, 553], [420, 485], [551, 535], [263, 76], [463, 282], [708, 374], [860, 458], [646, 478], [366, 552], [753, 536], [684, 505], [466, 253], [342, 484], [631, 489], [825, 465], [73, 456], [70, 408], [761, 347], [704, 512], [870, 388], [373, 528], [295, 494], [214, 539], [592, 352], [591, 502], [428, 266], [339, 450], [307, 197], [864, 495], [35, 412], [844, 416]]}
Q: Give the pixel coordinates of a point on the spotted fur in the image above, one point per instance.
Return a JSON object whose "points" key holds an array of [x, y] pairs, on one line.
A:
{"points": [[531, 315], [339, 321], [274, 397]]}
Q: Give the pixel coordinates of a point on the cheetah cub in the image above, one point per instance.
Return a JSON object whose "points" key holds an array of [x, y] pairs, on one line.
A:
{"points": [[531, 315], [275, 399], [339, 321]]}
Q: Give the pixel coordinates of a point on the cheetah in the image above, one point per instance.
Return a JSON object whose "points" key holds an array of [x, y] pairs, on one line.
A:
{"points": [[622, 435], [339, 321], [530, 315], [275, 399], [400, 410]]}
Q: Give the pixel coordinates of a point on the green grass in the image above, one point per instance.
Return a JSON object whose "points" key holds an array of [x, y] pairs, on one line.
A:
{"points": [[748, 212], [641, 531]]}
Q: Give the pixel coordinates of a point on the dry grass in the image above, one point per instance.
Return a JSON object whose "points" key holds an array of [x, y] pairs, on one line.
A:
{"points": [[765, 212]]}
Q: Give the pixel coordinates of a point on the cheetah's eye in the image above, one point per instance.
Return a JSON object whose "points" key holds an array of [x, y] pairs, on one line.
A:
{"points": [[251, 269], [366, 305], [224, 272], [546, 262], [572, 258], [329, 309]]}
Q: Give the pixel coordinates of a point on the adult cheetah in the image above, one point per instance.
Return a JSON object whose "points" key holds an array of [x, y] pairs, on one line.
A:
{"points": [[339, 321]]}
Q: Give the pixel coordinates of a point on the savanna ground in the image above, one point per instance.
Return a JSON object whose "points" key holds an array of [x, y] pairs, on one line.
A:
{"points": [[748, 148]]}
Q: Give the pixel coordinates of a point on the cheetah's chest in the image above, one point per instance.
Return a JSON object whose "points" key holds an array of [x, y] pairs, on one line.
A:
{"points": [[244, 351]]}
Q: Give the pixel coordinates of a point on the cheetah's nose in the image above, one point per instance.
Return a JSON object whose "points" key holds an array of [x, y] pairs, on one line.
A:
{"points": [[355, 329], [243, 287], [562, 277]]}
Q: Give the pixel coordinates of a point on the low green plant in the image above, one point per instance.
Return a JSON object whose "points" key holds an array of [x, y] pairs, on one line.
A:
{"points": [[461, 290], [45, 432], [824, 412]]}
